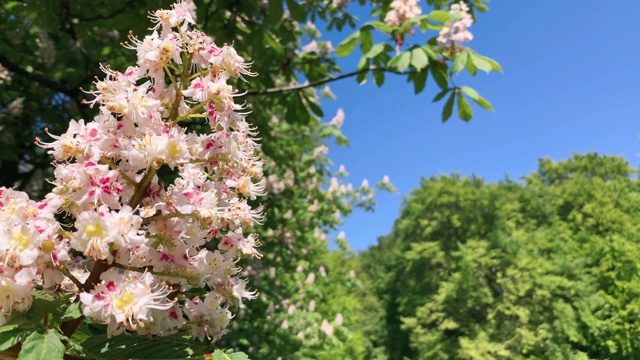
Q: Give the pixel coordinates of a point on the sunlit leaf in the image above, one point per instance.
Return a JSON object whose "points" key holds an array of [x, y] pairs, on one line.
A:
{"points": [[464, 109], [47, 346], [347, 45], [460, 62], [448, 107], [419, 58]]}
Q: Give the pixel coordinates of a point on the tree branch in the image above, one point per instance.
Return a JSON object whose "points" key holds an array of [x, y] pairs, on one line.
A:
{"points": [[325, 81], [100, 266], [53, 85], [127, 4]]}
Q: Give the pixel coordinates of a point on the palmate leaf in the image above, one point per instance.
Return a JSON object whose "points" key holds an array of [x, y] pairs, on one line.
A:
{"points": [[464, 109], [11, 335], [229, 355], [47, 346], [347, 45], [297, 11], [276, 10], [176, 346]]}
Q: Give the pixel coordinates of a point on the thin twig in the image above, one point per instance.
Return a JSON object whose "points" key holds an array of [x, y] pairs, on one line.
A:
{"points": [[148, 269], [327, 80], [109, 16], [113, 166], [66, 273]]}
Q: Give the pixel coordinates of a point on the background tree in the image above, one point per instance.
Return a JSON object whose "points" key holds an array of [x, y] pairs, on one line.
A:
{"points": [[541, 269]]}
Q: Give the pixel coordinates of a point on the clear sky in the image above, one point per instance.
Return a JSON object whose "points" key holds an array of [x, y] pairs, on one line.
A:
{"points": [[571, 83]]}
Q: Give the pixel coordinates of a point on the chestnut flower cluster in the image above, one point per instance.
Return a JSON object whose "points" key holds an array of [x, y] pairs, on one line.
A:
{"points": [[137, 245], [401, 11], [457, 31]]}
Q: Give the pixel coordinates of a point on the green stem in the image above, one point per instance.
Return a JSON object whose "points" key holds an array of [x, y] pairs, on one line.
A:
{"points": [[191, 112], [61, 269], [147, 269], [173, 116], [113, 166], [211, 159], [167, 216], [173, 79], [141, 189]]}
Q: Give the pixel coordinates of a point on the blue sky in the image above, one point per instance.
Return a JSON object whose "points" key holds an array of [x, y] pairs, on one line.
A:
{"points": [[571, 83]]}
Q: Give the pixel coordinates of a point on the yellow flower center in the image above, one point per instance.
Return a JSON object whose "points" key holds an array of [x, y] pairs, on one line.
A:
{"points": [[94, 230], [125, 301], [173, 149], [20, 240]]}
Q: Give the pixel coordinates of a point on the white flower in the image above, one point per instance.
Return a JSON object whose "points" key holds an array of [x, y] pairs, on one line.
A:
{"points": [[326, 328], [338, 120], [456, 31], [125, 299], [107, 180], [402, 11]]}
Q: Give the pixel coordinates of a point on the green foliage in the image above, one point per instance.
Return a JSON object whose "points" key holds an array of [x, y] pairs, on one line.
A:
{"points": [[53, 49], [543, 269], [177, 346], [42, 346]]}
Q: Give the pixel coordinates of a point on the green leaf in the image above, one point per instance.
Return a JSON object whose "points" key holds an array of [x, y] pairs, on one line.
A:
{"points": [[460, 61], [47, 346], [419, 58], [419, 80], [470, 92], [448, 108], [441, 76], [494, 64], [297, 11], [484, 63], [380, 26], [6, 328], [473, 95], [347, 45], [176, 346], [229, 355], [439, 15], [361, 78], [375, 50], [464, 109], [276, 10], [11, 4], [441, 94], [273, 43], [481, 7], [401, 61], [409, 24], [42, 305], [297, 112], [314, 107], [366, 40], [427, 25], [378, 77], [430, 52], [363, 63], [471, 68], [11, 335], [105, 50], [481, 63], [72, 312], [342, 140]]}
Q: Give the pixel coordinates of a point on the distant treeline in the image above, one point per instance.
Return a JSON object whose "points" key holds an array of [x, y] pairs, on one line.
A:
{"points": [[546, 267]]}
